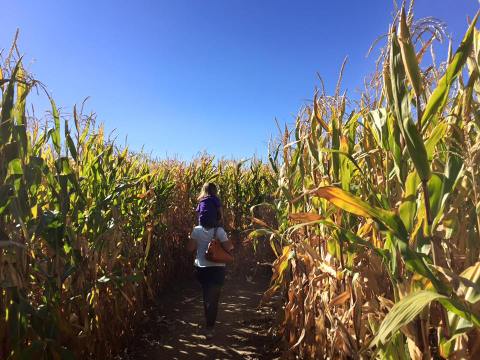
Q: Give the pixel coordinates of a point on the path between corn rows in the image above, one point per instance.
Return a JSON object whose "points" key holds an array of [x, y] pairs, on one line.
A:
{"points": [[172, 329]]}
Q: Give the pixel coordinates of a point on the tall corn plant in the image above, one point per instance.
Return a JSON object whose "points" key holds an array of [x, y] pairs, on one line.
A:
{"points": [[378, 208]]}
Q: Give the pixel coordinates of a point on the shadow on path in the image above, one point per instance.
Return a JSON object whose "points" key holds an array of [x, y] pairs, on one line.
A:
{"points": [[173, 329]]}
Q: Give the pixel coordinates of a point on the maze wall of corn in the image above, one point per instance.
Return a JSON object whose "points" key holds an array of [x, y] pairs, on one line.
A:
{"points": [[378, 208], [370, 204]]}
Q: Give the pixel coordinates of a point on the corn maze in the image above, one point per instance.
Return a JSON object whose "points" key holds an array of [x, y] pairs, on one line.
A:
{"points": [[371, 206]]}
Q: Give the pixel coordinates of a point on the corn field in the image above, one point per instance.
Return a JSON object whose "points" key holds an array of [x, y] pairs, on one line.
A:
{"points": [[378, 209], [91, 232], [371, 206]]}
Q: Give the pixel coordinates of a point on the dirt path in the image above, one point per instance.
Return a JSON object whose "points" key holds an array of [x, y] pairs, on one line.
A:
{"points": [[173, 328]]}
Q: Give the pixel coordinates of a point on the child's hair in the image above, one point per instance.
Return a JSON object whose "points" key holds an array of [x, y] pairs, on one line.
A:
{"points": [[208, 189]]}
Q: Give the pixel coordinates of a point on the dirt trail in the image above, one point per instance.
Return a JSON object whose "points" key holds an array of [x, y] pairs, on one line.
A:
{"points": [[173, 328]]}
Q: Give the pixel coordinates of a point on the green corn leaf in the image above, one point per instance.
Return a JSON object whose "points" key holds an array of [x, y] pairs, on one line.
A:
{"points": [[70, 144], [408, 208], [436, 192], [416, 263], [439, 97], [409, 56], [442, 186], [455, 164], [10, 151], [395, 349], [460, 309], [56, 129], [353, 164], [378, 119], [22, 92], [413, 140], [336, 133], [403, 313], [15, 167], [6, 123], [313, 151], [388, 219], [259, 233], [400, 166], [20, 133], [346, 169], [63, 166], [85, 132], [471, 291], [354, 239], [6, 193], [438, 133]]}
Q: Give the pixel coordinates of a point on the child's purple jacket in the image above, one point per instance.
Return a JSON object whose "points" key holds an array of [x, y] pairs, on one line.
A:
{"points": [[208, 211]]}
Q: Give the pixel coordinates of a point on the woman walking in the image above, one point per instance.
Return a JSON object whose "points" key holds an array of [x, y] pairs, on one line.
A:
{"points": [[211, 275]]}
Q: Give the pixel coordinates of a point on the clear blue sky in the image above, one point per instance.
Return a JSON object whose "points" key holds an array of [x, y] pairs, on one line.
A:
{"points": [[182, 76]]}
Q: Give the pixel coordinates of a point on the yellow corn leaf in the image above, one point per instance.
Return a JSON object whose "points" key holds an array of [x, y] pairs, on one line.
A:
{"points": [[348, 202], [259, 222]]}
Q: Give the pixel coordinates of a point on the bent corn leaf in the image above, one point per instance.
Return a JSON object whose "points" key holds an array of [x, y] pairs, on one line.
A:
{"points": [[404, 312], [357, 206]]}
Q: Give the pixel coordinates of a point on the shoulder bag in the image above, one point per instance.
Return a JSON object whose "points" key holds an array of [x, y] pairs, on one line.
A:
{"points": [[215, 251]]}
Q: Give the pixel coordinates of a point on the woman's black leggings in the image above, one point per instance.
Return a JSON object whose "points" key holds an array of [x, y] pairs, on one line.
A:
{"points": [[211, 278]]}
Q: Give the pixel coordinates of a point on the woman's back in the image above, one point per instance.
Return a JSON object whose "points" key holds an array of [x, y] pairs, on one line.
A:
{"points": [[203, 236], [211, 275]]}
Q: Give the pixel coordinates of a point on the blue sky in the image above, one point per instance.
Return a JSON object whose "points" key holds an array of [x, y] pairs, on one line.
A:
{"points": [[183, 76]]}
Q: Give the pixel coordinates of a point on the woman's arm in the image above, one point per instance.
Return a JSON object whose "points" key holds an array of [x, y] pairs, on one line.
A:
{"points": [[227, 245]]}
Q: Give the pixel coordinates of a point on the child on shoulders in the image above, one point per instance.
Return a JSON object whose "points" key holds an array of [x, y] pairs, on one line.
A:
{"points": [[209, 208]]}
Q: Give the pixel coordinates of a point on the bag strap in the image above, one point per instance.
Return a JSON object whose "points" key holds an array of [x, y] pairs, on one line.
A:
{"points": [[215, 233]]}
